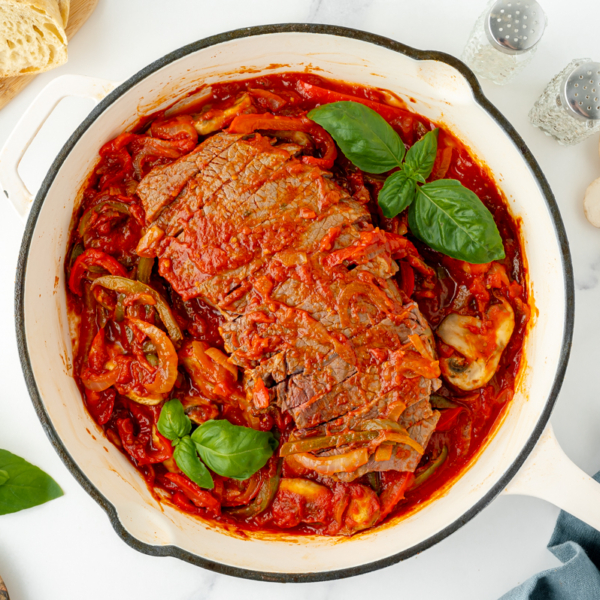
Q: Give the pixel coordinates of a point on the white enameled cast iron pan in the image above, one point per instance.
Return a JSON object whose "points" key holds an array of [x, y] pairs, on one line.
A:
{"points": [[521, 458]]}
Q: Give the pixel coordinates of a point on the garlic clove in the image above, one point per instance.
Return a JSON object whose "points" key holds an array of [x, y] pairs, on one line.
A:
{"points": [[591, 203]]}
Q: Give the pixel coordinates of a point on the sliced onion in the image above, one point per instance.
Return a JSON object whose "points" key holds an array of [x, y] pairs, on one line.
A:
{"points": [[328, 465], [395, 410], [122, 285], [382, 425], [197, 362], [329, 441], [417, 342], [401, 438], [99, 383], [150, 400], [192, 102], [223, 360], [166, 373]]}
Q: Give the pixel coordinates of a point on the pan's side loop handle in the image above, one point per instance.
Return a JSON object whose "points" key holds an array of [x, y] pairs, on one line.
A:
{"points": [[550, 475], [30, 124]]}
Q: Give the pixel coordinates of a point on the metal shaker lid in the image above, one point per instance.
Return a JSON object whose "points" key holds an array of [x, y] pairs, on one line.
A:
{"points": [[515, 26], [580, 90]]}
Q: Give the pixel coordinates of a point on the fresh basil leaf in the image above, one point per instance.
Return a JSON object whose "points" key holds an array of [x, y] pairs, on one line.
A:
{"points": [[451, 219], [26, 486], [420, 157], [397, 193], [416, 177], [187, 460], [173, 423], [366, 139], [4, 476], [231, 450]]}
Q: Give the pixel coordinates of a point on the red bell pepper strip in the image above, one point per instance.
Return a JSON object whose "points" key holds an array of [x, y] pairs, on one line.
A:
{"points": [[116, 145], [182, 502], [89, 327], [101, 404], [90, 258], [268, 100], [98, 354], [267, 121], [407, 278], [117, 159], [95, 377], [178, 128], [320, 95], [148, 446], [201, 498], [110, 207]]}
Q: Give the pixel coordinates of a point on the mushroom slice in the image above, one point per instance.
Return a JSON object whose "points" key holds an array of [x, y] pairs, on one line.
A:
{"points": [[481, 351], [591, 203]]}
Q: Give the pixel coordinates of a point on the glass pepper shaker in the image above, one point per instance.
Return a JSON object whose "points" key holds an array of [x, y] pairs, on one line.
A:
{"points": [[569, 107], [504, 39]]}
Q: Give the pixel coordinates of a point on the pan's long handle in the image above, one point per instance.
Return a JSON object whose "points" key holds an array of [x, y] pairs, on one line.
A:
{"points": [[29, 125], [550, 475]]}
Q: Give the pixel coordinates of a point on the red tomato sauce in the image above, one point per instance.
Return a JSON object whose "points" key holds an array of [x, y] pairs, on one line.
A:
{"points": [[115, 229]]}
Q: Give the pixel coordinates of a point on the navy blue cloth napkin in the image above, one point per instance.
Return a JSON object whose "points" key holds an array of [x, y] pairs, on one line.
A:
{"points": [[577, 546]]}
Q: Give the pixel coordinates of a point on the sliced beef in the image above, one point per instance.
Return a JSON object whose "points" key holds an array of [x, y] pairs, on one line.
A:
{"points": [[306, 386], [162, 185], [415, 392], [416, 412], [343, 397], [306, 286], [239, 170]]}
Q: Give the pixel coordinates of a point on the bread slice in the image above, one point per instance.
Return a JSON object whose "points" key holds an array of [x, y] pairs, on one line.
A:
{"points": [[64, 6], [32, 37]]}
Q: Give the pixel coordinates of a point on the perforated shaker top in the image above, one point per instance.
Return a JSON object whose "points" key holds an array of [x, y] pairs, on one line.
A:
{"points": [[581, 90], [515, 26]]}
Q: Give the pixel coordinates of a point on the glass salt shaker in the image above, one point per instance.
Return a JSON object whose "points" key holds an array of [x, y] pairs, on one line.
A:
{"points": [[569, 107], [504, 39]]}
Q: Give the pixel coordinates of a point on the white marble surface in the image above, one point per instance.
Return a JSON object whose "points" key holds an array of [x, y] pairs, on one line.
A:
{"points": [[68, 550]]}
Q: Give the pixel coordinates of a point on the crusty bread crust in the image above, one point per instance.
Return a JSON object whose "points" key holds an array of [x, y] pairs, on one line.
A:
{"points": [[64, 6], [32, 37]]}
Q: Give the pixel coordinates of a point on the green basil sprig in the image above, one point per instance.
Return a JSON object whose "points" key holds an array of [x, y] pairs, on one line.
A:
{"points": [[451, 219], [228, 450], [397, 193], [186, 457], [233, 451], [23, 485], [173, 423], [365, 138], [444, 214]]}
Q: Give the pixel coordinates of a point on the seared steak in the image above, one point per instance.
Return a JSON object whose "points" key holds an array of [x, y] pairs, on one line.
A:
{"points": [[306, 284]]}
